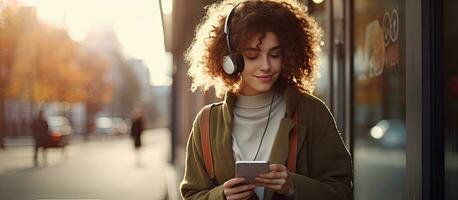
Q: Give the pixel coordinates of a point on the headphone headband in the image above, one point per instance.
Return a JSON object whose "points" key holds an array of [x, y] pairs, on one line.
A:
{"points": [[227, 28], [232, 63]]}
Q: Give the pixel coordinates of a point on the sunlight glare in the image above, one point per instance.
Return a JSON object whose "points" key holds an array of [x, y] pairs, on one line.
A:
{"points": [[137, 25], [167, 6]]}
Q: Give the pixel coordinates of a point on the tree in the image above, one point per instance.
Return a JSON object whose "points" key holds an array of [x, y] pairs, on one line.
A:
{"points": [[46, 67], [9, 29], [42, 63]]}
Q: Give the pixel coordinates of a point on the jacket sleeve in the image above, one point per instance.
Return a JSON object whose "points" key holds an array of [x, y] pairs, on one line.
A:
{"points": [[330, 167], [195, 183]]}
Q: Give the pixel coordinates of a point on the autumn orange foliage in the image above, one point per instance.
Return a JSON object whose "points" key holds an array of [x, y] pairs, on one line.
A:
{"points": [[42, 63]]}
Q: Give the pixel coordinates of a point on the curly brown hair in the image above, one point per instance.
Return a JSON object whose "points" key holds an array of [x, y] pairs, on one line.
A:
{"points": [[298, 34]]}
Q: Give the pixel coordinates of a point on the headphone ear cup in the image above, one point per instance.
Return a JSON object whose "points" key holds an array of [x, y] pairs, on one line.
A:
{"points": [[240, 63], [233, 64], [228, 65]]}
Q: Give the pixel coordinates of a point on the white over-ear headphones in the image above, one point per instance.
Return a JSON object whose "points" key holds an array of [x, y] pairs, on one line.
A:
{"points": [[232, 63]]}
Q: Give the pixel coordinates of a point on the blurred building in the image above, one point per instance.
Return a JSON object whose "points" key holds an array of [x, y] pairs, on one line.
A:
{"points": [[148, 100], [384, 66], [130, 78], [142, 73], [102, 42]]}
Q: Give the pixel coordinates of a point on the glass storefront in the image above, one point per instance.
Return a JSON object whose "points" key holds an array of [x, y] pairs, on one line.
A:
{"points": [[379, 149], [378, 108]]}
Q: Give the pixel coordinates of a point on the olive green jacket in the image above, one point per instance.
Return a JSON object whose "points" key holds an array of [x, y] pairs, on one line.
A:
{"points": [[324, 168]]}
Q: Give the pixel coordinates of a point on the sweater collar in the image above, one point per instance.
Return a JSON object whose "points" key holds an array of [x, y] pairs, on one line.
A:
{"points": [[256, 101], [291, 95]]}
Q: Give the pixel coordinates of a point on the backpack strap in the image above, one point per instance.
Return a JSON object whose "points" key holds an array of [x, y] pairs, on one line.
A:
{"points": [[292, 155], [205, 140]]}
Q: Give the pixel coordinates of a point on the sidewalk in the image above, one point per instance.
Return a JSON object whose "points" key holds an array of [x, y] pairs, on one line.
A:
{"points": [[104, 168], [75, 138]]}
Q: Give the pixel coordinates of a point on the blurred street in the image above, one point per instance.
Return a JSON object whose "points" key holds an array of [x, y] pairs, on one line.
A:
{"points": [[106, 168]]}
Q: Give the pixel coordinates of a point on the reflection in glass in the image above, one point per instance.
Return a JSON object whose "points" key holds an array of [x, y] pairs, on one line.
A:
{"points": [[379, 106], [450, 33]]}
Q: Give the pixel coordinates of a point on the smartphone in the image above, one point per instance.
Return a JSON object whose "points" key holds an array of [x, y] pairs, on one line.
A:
{"points": [[250, 169]]}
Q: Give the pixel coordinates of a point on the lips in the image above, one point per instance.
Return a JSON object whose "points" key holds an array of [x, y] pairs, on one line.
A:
{"points": [[264, 78]]}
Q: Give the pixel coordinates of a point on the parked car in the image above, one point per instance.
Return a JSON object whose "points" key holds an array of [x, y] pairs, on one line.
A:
{"points": [[111, 126]]}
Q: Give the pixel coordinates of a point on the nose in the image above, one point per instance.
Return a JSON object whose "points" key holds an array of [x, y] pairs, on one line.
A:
{"points": [[265, 65]]}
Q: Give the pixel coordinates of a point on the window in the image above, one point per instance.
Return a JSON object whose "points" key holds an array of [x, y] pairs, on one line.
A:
{"points": [[379, 101]]}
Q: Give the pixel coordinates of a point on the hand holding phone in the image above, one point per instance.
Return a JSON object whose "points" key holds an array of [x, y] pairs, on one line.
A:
{"points": [[236, 189], [278, 179], [250, 170]]}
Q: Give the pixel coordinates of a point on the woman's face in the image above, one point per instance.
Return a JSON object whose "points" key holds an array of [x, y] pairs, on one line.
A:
{"points": [[262, 64]]}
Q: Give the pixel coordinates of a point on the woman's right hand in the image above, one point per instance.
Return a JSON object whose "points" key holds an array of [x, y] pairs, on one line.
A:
{"points": [[234, 189]]}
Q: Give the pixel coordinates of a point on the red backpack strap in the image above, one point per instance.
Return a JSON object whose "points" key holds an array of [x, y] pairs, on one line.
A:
{"points": [[292, 155], [205, 140]]}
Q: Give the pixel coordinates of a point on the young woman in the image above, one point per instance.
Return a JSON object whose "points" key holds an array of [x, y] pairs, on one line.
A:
{"points": [[262, 57]]}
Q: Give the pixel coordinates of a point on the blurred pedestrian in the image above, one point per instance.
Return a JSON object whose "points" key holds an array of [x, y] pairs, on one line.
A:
{"points": [[2, 135], [137, 128], [40, 131], [262, 57]]}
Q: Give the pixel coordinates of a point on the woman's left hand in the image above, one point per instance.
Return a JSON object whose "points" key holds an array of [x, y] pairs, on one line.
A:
{"points": [[278, 179]]}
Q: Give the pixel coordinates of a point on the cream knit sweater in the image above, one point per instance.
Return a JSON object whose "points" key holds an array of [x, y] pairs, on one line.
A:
{"points": [[250, 118]]}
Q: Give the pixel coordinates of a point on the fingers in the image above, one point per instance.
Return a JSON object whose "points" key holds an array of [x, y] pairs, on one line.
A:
{"points": [[274, 175], [274, 184], [234, 190], [279, 181], [276, 179], [276, 171], [277, 167], [238, 189], [233, 182]]}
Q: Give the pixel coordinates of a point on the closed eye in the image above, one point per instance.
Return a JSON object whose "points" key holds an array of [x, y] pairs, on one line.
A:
{"points": [[251, 55]]}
